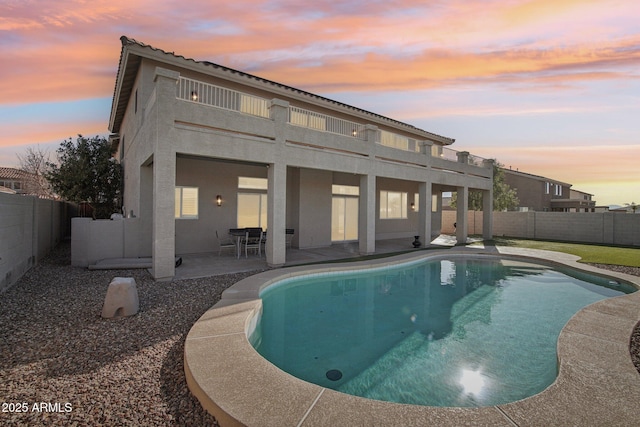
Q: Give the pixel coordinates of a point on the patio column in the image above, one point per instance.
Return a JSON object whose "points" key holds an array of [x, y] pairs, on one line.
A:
{"points": [[487, 214], [461, 215], [276, 214], [367, 215], [164, 178], [424, 212], [487, 205]]}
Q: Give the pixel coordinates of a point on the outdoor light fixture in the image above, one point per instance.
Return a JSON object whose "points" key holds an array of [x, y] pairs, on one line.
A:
{"points": [[219, 200], [354, 133], [194, 95], [413, 206]]}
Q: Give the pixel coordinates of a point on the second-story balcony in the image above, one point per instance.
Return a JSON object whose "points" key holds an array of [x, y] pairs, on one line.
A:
{"points": [[199, 92]]}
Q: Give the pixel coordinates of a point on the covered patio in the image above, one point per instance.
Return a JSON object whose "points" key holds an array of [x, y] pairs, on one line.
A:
{"points": [[211, 264]]}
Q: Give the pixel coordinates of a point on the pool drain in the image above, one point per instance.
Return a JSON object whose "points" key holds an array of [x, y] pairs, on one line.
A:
{"points": [[334, 374]]}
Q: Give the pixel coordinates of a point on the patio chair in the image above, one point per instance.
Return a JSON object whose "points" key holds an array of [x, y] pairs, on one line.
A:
{"points": [[226, 243], [289, 232], [253, 240]]}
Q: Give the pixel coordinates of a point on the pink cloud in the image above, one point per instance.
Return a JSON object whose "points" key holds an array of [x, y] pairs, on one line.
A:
{"points": [[355, 46]]}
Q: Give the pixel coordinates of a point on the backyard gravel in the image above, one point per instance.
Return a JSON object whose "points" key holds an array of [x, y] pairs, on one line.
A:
{"points": [[56, 350]]}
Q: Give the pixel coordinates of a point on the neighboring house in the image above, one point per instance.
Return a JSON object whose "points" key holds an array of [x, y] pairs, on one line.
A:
{"points": [[538, 193], [206, 148], [15, 179]]}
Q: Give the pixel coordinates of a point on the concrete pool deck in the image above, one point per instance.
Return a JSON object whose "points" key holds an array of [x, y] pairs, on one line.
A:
{"points": [[597, 382]]}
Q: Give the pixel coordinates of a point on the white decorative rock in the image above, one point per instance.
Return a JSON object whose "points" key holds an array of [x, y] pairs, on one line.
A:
{"points": [[121, 299]]}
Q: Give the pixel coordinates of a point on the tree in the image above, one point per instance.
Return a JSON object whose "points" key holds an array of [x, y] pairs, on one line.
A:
{"points": [[633, 206], [87, 172], [504, 197], [34, 163]]}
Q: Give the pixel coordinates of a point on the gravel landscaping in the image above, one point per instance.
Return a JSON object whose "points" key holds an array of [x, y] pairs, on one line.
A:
{"points": [[57, 350]]}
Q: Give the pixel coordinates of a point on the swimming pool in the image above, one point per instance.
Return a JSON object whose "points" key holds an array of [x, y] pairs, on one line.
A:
{"points": [[463, 332]]}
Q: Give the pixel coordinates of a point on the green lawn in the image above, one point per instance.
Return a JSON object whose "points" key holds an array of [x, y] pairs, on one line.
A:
{"points": [[588, 253]]}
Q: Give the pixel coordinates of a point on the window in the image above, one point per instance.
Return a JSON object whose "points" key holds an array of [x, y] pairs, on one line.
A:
{"points": [[344, 213], [393, 205], [558, 191], [186, 203], [247, 183], [416, 202], [252, 202], [393, 140], [547, 187], [252, 210]]}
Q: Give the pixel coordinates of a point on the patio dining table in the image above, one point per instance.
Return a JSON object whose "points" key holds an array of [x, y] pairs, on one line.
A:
{"points": [[238, 235]]}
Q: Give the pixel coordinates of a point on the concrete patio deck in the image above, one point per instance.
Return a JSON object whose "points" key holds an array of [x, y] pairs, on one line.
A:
{"points": [[210, 264]]}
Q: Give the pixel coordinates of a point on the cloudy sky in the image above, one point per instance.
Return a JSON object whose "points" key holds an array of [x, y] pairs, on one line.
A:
{"points": [[548, 87]]}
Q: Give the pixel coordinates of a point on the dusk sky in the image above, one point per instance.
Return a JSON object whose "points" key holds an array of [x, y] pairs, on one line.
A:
{"points": [[548, 87]]}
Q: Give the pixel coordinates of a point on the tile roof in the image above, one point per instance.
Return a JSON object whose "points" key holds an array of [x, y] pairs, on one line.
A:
{"points": [[13, 173], [538, 177]]}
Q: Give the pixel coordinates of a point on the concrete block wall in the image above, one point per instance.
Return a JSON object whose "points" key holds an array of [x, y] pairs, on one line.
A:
{"points": [[625, 230], [29, 229], [600, 227], [474, 221]]}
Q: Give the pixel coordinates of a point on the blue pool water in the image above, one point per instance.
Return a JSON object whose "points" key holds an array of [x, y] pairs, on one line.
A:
{"points": [[455, 332]]}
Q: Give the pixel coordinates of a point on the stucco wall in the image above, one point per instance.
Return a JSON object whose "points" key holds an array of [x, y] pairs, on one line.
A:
{"points": [[94, 240], [603, 227], [29, 229]]}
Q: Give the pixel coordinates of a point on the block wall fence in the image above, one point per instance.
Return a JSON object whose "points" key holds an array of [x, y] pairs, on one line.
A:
{"points": [[29, 229], [593, 227]]}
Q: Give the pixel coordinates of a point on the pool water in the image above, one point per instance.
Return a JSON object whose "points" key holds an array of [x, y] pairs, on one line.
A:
{"points": [[455, 332]]}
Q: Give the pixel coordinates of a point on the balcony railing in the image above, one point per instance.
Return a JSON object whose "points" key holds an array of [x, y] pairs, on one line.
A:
{"points": [[311, 119], [221, 97], [216, 96], [444, 153]]}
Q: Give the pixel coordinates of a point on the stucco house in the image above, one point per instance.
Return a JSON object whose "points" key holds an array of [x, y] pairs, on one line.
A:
{"points": [[14, 180], [542, 194], [206, 148]]}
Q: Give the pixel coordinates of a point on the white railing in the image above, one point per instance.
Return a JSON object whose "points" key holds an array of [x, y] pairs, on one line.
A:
{"points": [[452, 155], [312, 120], [204, 93], [476, 160]]}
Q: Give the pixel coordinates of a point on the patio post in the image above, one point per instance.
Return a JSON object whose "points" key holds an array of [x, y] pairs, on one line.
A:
{"points": [[367, 215], [424, 212], [487, 214], [487, 205], [164, 178], [276, 214], [462, 215]]}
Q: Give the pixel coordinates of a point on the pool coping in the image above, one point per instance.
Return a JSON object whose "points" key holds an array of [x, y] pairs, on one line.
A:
{"points": [[597, 382]]}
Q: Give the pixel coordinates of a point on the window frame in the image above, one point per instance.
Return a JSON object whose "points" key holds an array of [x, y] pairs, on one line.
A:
{"points": [[180, 199], [385, 208], [253, 186]]}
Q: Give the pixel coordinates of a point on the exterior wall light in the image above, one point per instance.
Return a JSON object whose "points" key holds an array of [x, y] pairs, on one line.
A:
{"points": [[219, 200], [413, 206], [194, 95]]}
